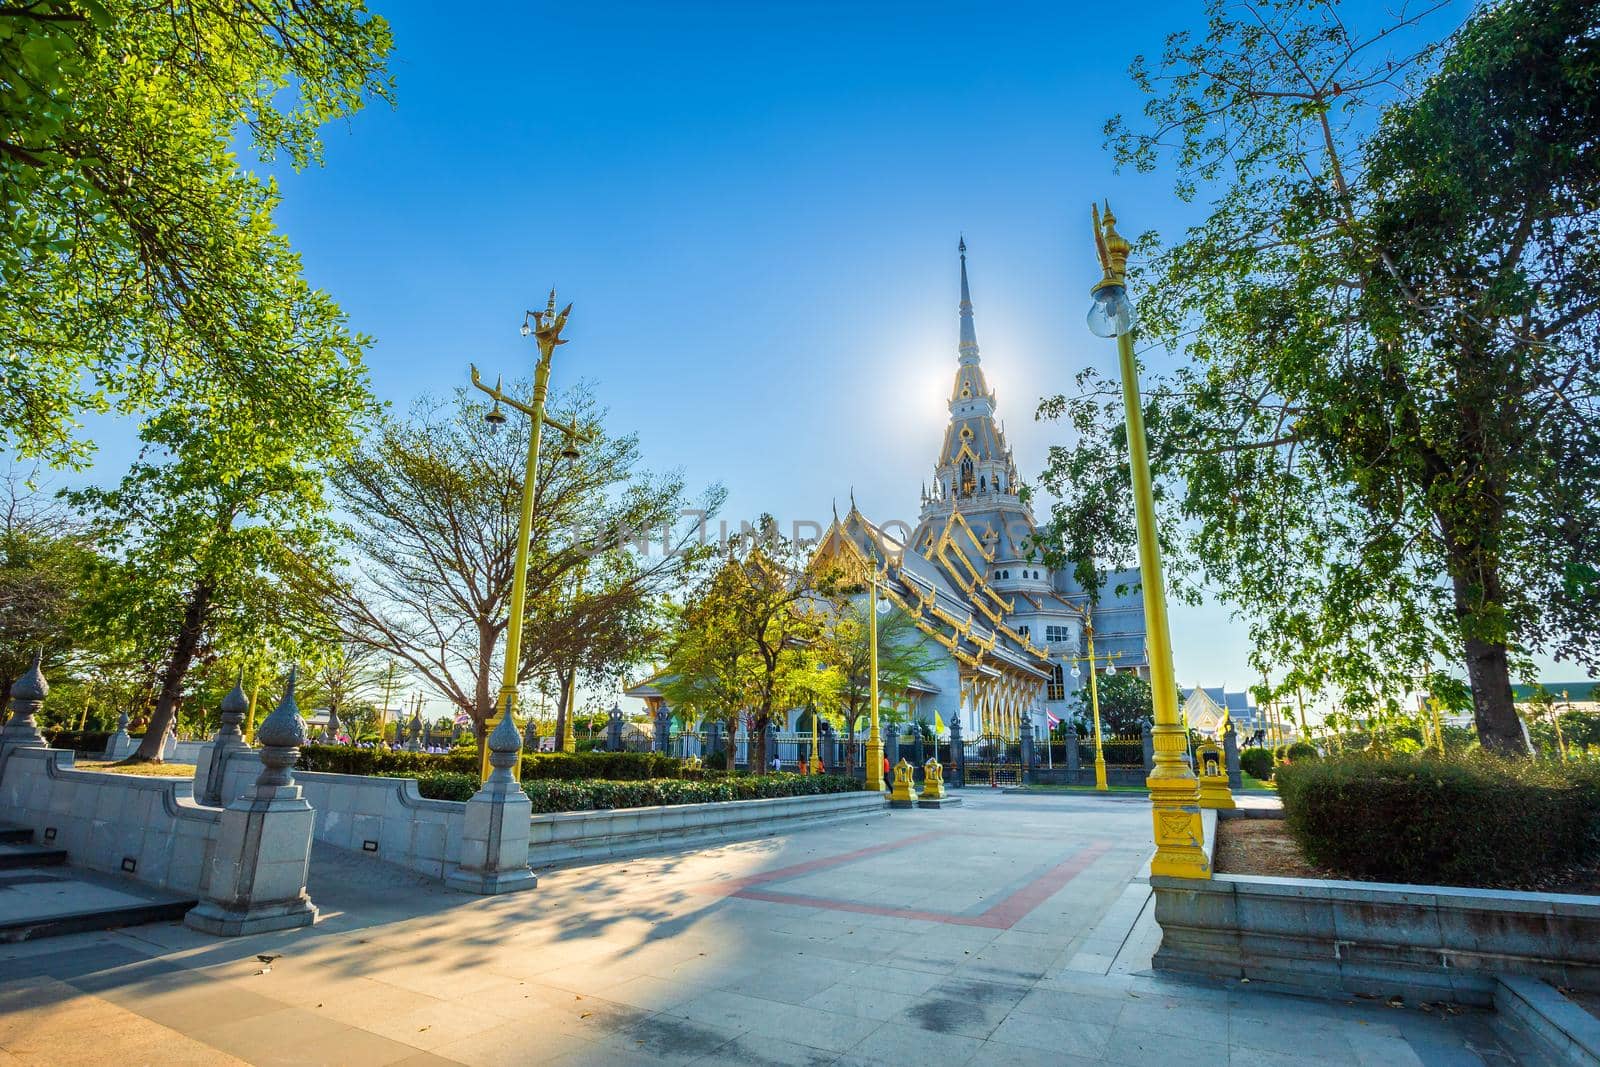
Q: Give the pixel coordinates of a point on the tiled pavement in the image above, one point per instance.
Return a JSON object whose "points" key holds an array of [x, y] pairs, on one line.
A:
{"points": [[923, 937]]}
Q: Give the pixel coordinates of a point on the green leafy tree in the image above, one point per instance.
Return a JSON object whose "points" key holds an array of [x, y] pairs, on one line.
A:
{"points": [[903, 659], [136, 253], [211, 537], [1384, 445], [434, 501], [44, 561], [1126, 704], [743, 649]]}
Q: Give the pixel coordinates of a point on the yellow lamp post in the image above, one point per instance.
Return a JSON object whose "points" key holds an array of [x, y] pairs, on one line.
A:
{"points": [[1174, 789], [874, 749], [1094, 702], [814, 766], [546, 327]]}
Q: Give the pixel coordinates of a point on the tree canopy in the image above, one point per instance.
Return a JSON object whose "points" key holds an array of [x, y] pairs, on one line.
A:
{"points": [[434, 501], [1383, 446], [137, 257]]}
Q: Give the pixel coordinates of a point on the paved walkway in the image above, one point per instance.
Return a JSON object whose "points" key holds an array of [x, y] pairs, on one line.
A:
{"points": [[926, 937]]}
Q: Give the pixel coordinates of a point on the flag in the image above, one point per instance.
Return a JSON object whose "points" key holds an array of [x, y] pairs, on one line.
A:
{"points": [[938, 723], [463, 719], [1051, 721]]}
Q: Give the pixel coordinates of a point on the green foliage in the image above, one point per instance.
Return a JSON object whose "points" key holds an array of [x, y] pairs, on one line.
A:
{"points": [[1388, 424], [1303, 750], [549, 795], [1257, 763], [749, 640], [1476, 821], [563, 766], [138, 259], [92, 742], [435, 498], [1126, 703]]}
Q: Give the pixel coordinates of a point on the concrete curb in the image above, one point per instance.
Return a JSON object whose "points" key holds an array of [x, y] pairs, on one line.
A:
{"points": [[1565, 1032]]}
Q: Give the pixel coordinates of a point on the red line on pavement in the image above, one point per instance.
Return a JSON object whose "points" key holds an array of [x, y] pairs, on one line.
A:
{"points": [[733, 885], [1002, 915]]}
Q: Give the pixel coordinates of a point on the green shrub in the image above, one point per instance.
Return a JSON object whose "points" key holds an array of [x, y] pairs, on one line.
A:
{"points": [[1474, 821], [617, 766], [550, 795], [91, 742], [1257, 763], [445, 785], [1302, 750]]}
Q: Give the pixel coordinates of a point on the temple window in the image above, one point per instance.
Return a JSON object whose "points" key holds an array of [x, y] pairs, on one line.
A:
{"points": [[1056, 689], [1058, 633], [967, 478], [983, 485]]}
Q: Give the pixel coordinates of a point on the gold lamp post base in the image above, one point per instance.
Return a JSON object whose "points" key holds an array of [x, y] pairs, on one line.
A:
{"points": [[1100, 774], [1175, 810], [874, 768]]}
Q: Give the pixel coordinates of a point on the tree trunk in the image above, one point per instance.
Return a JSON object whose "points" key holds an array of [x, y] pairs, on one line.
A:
{"points": [[1494, 710], [758, 743], [563, 719], [194, 620], [483, 699]]}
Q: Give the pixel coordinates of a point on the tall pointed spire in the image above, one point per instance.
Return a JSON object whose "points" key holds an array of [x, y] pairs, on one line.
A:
{"points": [[969, 333]]}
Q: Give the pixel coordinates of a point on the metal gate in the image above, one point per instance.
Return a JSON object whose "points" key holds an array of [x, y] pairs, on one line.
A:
{"points": [[993, 760]]}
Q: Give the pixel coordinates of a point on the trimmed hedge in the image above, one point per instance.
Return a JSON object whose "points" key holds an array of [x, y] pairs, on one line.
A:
{"points": [[1302, 750], [1257, 763], [92, 742], [550, 794], [1478, 821], [564, 766]]}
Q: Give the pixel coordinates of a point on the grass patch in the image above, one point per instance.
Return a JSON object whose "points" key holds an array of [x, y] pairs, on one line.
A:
{"points": [[137, 770]]}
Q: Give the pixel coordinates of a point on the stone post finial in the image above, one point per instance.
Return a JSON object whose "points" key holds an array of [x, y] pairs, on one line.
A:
{"points": [[504, 746], [27, 697], [122, 722], [334, 726], [234, 707], [281, 734]]}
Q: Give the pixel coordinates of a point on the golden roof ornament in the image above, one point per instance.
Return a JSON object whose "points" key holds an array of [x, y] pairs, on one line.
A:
{"points": [[1111, 246]]}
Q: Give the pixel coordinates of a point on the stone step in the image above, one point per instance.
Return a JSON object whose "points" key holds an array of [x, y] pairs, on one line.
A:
{"points": [[15, 854], [12, 834], [40, 902]]}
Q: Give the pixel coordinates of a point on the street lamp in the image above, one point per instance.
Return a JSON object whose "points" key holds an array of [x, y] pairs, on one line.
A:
{"points": [[546, 327], [874, 750], [1094, 702], [1174, 789]]}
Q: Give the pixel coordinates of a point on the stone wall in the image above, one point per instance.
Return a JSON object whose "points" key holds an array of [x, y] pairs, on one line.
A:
{"points": [[385, 818], [574, 836], [148, 829], [1422, 942]]}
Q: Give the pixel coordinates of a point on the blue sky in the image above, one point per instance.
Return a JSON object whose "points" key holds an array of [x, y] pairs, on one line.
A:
{"points": [[755, 211]]}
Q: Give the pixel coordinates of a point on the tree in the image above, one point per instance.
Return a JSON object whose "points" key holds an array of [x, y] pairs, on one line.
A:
{"points": [[1383, 449], [212, 534], [903, 658], [137, 254], [342, 672], [44, 559], [435, 500], [1126, 704], [743, 646]]}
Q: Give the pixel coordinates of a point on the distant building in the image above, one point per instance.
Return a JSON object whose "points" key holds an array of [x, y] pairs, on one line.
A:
{"points": [[1204, 707], [1568, 696]]}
